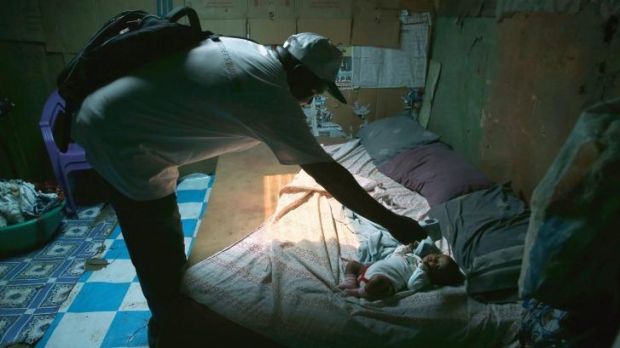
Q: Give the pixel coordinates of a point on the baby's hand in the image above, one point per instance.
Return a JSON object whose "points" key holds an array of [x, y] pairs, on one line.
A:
{"points": [[354, 292], [350, 282]]}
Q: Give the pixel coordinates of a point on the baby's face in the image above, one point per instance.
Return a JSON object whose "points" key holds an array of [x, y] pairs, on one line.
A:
{"points": [[436, 262]]}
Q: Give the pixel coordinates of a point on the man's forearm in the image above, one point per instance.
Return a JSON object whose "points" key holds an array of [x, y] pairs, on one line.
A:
{"points": [[343, 186]]}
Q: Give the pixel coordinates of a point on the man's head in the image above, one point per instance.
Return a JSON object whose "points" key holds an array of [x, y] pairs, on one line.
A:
{"points": [[312, 66], [442, 270]]}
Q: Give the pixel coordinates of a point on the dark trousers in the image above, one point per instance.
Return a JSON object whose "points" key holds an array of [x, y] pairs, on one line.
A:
{"points": [[153, 233], [154, 236]]}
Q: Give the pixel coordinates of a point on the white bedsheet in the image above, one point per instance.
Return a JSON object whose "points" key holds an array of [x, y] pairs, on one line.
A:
{"points": [[281, 279]]}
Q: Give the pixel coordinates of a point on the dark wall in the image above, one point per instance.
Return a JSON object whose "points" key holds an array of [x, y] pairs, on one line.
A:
{"points": [[467, 52], [510, 91], [508, 94], [27, 76]]}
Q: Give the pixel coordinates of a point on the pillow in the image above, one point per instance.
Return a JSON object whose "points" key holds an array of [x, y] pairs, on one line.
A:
{"points": [[436, 172], [387, 137]]}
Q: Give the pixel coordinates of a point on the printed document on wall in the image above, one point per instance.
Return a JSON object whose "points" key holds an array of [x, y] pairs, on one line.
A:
{"points": [[374, 67]]}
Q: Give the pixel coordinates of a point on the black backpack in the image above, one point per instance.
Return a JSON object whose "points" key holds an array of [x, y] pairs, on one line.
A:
{"points": [[125, 42]]}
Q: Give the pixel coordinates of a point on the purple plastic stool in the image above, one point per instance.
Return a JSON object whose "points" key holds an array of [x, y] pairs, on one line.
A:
{"points": [[63, 163]]}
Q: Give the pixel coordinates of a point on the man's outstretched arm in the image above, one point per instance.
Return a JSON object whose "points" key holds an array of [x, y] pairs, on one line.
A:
{"points": [[342, 185]]}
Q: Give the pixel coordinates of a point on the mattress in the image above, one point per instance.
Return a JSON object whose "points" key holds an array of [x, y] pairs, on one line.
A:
{"points": [[281, 280]]}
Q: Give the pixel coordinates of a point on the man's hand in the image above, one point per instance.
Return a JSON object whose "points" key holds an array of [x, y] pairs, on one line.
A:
{"points": [[404, 229]]}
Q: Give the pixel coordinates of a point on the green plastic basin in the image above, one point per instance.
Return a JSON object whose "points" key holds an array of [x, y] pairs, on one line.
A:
{"points": [[29, 234]]}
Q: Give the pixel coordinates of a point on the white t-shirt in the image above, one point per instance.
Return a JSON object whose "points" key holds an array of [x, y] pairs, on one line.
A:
{"points": [[217, 98]]}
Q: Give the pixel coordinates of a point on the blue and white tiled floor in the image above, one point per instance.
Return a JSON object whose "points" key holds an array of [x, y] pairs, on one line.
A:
{"points": [[106, 307], [34, 284]]}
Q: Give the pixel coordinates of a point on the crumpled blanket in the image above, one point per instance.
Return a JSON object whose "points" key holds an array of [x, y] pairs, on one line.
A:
{"points": [[303, 186], [376, 243], [20, 201]]}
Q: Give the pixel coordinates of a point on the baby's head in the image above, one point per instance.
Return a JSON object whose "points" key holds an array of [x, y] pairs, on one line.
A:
{"points": [[442, 270]]}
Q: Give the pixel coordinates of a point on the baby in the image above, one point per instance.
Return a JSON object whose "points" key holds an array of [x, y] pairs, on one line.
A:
{"points": [[403, 269]]}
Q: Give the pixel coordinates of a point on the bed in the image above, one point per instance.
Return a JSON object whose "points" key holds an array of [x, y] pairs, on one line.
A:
{"points": [[280, 280]]}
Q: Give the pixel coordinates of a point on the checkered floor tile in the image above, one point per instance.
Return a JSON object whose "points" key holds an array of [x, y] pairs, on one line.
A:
{"points": [[34, 285], [106, 307]]}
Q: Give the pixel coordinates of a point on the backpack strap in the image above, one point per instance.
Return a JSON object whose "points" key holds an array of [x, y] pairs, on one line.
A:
{"points": [[113, 26], [180, 12]]}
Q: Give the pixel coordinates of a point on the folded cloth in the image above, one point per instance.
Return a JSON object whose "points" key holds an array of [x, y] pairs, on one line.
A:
{"points": [[10, 203]]}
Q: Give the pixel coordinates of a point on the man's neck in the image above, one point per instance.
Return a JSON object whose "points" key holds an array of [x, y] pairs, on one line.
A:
{"points": [[287, 60]]}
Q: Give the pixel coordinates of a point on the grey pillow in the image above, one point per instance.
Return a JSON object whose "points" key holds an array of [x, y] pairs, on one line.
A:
{"points": [[387, 137]]}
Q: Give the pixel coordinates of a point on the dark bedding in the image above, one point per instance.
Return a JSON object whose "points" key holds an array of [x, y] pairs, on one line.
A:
{"points": [[486, 230]]}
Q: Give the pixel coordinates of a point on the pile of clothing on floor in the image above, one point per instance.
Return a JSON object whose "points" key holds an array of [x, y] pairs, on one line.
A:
{"points": [[21, 201]]}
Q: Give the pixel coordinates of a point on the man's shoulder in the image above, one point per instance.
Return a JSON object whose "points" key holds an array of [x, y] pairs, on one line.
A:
{"points": [[244, 47]]}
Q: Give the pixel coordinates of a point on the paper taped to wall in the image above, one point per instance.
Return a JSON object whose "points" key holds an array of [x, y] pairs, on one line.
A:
{"points": [[374, 67]]}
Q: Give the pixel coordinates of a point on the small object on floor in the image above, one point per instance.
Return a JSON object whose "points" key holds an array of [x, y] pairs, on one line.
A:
{"points": [[95, 264]]}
